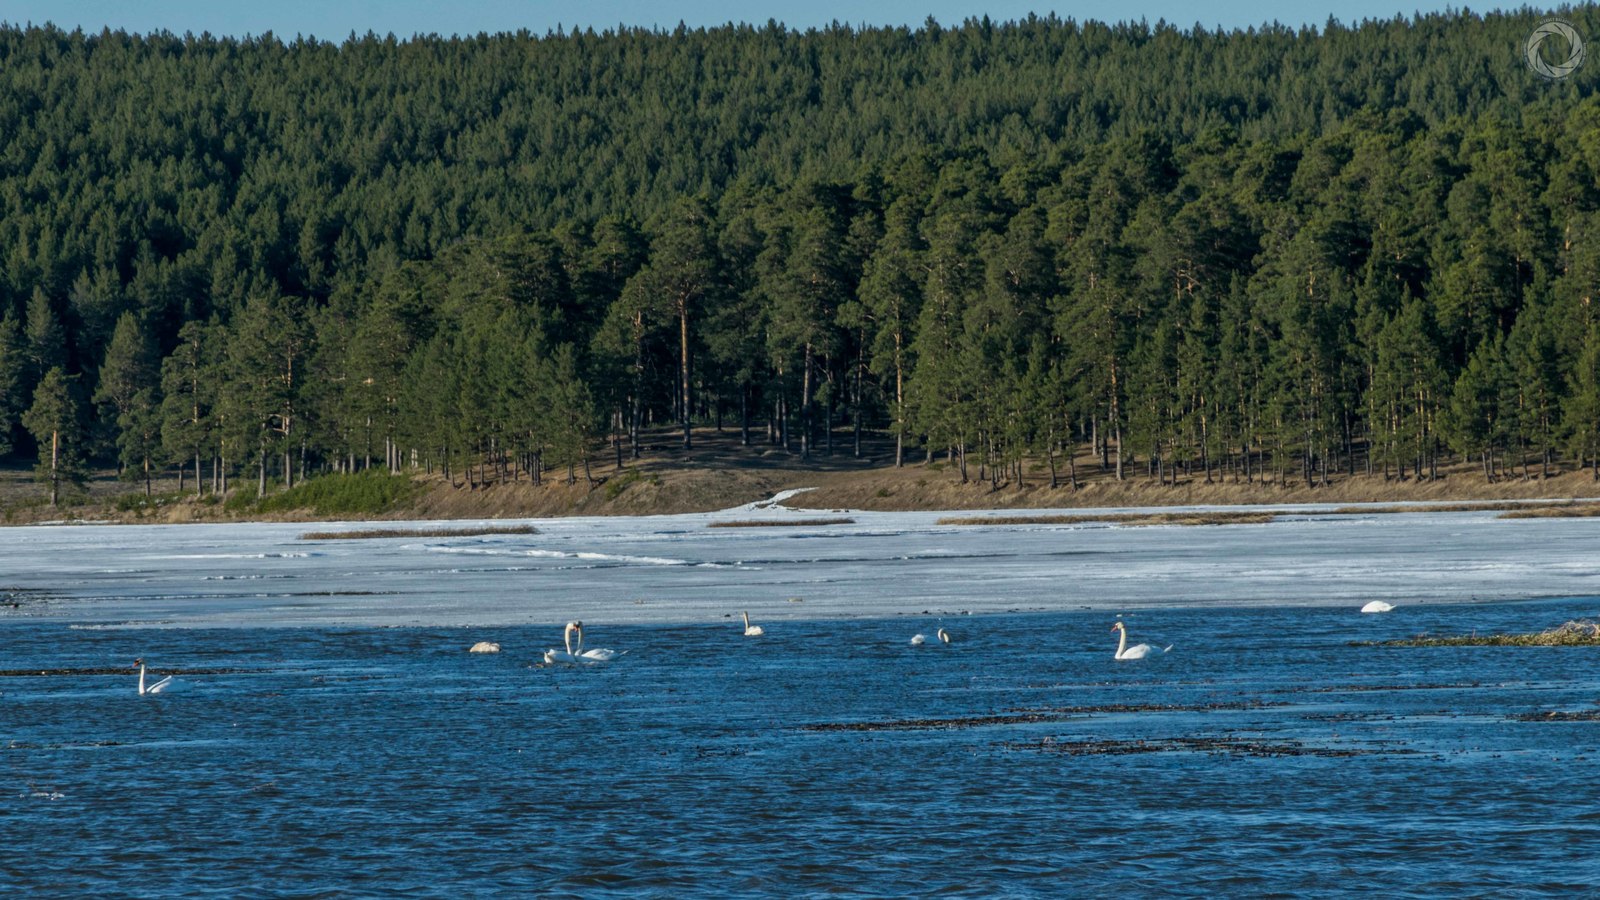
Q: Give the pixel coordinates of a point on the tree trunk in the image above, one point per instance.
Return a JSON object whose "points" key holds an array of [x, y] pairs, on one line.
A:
{"points": [[1117, 434], [55, 471], [744, 415], [899, 406], [805, 406], [683, 367]]}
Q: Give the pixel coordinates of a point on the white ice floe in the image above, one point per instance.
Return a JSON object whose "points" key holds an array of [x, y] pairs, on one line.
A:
{"points": [[881, 564]]}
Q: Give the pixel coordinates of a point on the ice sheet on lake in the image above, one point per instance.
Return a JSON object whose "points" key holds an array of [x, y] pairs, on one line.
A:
{"points": [[675, 569]]}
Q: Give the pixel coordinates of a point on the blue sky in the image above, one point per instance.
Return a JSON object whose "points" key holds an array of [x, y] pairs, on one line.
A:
{"points": [[335, 20]]}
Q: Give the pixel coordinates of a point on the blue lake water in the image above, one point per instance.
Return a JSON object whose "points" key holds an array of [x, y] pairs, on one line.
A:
{"points": [[384, 760], [332, 737]]}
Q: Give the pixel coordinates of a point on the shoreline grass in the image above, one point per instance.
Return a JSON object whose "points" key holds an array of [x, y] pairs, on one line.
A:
{"points": [[1569, 634], [370, 533], [779, 523], [1569, 510]]}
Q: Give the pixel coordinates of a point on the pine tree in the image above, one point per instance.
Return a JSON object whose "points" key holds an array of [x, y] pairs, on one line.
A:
{"points": [[130, 366], [55, 419]]}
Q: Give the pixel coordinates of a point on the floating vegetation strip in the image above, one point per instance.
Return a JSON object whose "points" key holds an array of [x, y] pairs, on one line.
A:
{"points": [[1561, 511], [366, 533], [1173, 518], [1556, 715], [17, 597], [1231, 746], [778, 523], [1569, 634], [112, 670], [1479, 506], [957, 722]]}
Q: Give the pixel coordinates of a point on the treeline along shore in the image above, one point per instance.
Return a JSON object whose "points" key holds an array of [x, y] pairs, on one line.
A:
{"points": [[1275, 255]]}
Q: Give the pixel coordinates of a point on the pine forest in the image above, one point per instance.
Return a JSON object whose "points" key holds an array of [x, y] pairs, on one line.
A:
{"points": [[1271, 255]]}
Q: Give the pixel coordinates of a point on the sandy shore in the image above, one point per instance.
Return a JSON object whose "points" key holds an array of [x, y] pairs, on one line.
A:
{"points": [[721, 473]]}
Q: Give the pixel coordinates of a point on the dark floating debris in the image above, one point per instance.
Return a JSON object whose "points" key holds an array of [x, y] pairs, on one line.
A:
{"points": [[1228, 746], [19, 597], [1032, 715], [956, 722], [1366, 688], [1226, 517], [779, 523], [1578, 633]]}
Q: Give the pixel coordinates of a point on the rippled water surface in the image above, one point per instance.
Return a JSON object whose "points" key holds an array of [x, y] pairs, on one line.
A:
{"points": [[1266, 753], [823, 756]]}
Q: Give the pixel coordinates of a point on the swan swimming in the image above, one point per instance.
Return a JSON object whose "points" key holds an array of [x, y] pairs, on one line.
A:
{"points": [[917, 640], [1137, 651], [166, 683], [484, 647], [751, 630], [1377, 606], [575, 652]]}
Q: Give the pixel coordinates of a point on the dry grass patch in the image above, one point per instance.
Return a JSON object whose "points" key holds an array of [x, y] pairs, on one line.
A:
{"points": [[1570, 634], [778, 523], [1564, 510], [1516, 509], [366, 533], [1198, 518]]}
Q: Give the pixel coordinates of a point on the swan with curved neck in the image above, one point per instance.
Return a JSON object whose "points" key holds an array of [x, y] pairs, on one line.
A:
{"points": [[572, 637], [156, 688], [1137, 651], [918, 640], [751, 630]]}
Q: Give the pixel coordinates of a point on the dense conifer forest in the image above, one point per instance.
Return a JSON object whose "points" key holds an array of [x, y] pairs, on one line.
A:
{"points": [[1272, 254]]}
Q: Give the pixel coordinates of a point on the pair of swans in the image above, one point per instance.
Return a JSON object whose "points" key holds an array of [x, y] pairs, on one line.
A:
{"points": [[1137, 651], [575, 652], [918, 640], [167, 683]]}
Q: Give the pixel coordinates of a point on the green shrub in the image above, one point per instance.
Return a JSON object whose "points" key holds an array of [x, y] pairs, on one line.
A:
{"points": [[616, 485], [364, 493]]}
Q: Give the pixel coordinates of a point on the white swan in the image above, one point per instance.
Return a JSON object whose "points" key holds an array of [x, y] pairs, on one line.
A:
{"points": [[1137, 651], [917, 640], [162, 685], [575, 652], [484, 647], [751, 630], [1376, 606]]}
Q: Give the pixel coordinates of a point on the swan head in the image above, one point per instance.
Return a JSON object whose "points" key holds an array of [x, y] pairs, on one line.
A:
{"points": [[1118, 626], [136, 663]]}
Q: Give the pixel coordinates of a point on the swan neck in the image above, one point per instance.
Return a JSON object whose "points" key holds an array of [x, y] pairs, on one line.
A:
{"points": [[1122, 641], [141, 678], [746, 620]]}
